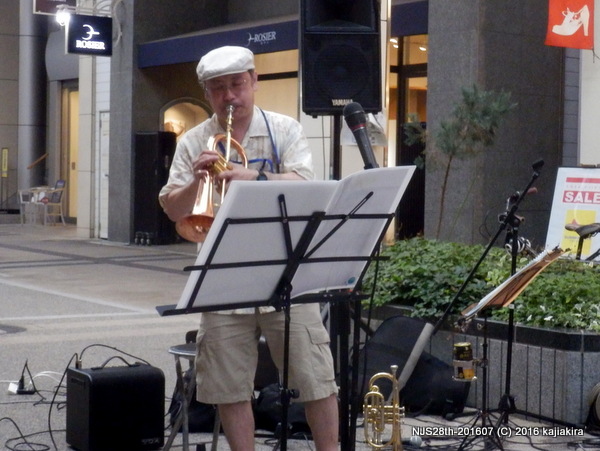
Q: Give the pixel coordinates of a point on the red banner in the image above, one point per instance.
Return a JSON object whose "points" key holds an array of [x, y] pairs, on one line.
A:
{"points": [[571, 24]]}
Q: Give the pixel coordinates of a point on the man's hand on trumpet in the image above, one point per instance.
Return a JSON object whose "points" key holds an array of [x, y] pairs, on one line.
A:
{"points": [[202, 164], [238, 172]]}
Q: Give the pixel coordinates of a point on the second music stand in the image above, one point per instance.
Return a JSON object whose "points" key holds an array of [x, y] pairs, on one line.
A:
{"points": [[502, 296]]}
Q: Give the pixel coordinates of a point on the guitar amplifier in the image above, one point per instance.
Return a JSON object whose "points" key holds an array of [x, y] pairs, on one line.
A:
{"points": [[115, 408]]}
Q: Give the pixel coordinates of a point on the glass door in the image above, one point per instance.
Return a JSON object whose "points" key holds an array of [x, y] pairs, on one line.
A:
{"points": [[411, 107], [70, 145]]}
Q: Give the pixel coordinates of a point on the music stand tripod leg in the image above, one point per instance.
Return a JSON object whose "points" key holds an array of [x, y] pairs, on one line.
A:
{"points": [[286, 394], [487, 429]]}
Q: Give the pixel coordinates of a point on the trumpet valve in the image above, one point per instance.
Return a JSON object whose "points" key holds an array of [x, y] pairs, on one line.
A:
{"points": [[219, 166]]}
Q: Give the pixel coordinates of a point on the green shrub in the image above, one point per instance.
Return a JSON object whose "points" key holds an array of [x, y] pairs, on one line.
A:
{"points": [[427, 274]]}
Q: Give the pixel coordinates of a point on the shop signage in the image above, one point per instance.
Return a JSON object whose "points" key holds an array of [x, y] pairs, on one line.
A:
{"points": [[571, 24], [51, 6], [576, 202], [89, 35], [275, 37], [261, 38]]}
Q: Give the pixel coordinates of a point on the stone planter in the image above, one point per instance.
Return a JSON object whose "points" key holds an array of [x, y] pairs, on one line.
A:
{"points": [[553, 371]]}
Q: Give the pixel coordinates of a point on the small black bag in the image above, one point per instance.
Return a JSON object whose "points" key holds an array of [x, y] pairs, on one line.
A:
{"points": [[201, 417], [267, 412]]}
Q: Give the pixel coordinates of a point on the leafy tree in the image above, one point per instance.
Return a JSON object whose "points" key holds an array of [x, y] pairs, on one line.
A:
{"points": [[471, 128]]}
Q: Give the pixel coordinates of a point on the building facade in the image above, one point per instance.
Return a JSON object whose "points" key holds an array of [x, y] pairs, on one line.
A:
{"points": [[83, 113]]}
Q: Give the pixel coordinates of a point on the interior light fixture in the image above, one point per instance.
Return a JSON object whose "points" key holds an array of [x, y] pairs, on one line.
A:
{"points": [[422, 48]]}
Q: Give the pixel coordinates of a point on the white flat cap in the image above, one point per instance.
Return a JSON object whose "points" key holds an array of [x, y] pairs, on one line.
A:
{"points": [[224, 61]]}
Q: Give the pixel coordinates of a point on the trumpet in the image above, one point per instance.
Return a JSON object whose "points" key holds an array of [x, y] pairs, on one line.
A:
{"points": [[377, 414], [195, 226]]}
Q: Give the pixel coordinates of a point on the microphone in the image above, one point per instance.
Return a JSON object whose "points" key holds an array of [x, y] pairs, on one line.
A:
{"points": [[357, 121], [537, 165], [412, 441]]}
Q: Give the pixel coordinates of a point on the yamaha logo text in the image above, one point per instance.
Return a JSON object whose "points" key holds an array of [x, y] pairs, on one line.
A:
{"points": [[340, 102]]}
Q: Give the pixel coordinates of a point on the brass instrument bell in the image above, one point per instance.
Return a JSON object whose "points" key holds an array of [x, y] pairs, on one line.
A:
{"points": [[195, 226]]}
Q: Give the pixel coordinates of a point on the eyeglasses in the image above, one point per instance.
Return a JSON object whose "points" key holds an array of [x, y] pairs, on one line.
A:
{"points": [[236, 87]]}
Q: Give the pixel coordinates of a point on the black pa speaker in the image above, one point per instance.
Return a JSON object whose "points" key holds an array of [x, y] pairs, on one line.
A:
{"points": [[115, 408], [341, 55], [153, 156], [430, 389]]}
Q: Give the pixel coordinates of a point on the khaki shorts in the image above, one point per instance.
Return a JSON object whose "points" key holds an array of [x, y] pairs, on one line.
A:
{"points": [[227, 354]]}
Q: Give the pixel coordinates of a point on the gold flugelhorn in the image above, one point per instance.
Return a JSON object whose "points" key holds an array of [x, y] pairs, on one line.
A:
{"points": [[377, 414], [194, 227]]}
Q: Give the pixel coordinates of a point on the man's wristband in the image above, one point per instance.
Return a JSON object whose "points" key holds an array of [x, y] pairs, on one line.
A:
{"points": [[261, 175]]}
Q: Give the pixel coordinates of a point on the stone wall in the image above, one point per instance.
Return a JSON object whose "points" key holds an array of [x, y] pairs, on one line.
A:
{"points": [[552, 372]]}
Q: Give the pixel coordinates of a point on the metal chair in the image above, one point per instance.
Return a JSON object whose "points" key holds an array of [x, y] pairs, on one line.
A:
{"points": [[266, 373], [27, 210], [51, 203], [187, 351]]}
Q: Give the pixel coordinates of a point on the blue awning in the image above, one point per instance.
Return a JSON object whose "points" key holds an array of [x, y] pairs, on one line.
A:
{"points": [[262, 37], [409, 19]]}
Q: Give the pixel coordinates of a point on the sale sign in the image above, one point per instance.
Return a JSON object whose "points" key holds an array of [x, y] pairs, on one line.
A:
{"points": [[576, 202]]}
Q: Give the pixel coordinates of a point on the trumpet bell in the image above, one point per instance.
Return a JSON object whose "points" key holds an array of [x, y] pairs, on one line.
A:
{"points": [[194, 228]]}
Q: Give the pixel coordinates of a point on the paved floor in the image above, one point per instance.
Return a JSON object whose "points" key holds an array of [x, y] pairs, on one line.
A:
{"points": [[65, 298]]}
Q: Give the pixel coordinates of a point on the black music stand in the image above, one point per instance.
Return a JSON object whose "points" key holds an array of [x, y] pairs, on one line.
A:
{"points": [[287, 235], [501, 296]]}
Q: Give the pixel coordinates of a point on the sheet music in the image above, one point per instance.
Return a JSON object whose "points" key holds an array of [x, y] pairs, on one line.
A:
{"points": [[357, 237], [263, 241], [252, 242], [508, 291]]}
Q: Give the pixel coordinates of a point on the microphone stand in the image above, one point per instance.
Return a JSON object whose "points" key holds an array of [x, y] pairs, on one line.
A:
{"points": [[504, 223], [512, 223], [506, 404], [507, 219]]}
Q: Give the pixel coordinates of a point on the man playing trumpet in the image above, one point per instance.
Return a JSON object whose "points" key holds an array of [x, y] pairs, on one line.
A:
{"points": [[276, 149]]}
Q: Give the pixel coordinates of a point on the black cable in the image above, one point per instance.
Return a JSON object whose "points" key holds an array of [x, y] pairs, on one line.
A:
{"points": [[76, 357], [60, 390], [17, 447], [114, 349]]}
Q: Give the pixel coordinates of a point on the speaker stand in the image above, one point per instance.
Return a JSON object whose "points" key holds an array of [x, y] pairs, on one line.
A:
{"points": [[336, 157]]}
